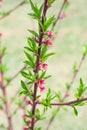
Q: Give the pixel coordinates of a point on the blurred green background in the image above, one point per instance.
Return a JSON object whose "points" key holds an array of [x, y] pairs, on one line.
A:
{"points": [[71, 36]]}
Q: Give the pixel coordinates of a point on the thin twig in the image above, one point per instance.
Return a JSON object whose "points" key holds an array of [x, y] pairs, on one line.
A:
{"points": [[15, 76], [6, 102], [71, 83], [67, 103], [58, 15], [12, 10], [21, 106]]}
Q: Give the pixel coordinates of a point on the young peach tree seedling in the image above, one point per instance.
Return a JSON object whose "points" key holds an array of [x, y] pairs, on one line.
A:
{"points": [[37, 52]]}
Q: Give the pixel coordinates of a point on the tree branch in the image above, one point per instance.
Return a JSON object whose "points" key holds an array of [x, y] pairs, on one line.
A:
{"points": [[12, 10], [15, 76], [71, 83], [6, 102], [67, 103], [58, 15], [37, 63]]}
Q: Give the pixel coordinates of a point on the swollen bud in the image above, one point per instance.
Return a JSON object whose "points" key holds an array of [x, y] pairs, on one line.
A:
{"points": [[25, 128], [50, 34]]}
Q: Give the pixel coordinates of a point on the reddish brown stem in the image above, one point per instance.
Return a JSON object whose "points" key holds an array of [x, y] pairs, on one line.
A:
{"points": [[59, 14], [67, 103], [7, 111], [37, 63]]}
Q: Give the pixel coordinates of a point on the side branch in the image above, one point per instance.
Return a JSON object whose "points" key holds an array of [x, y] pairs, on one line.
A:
{"points": [[15, 76], [67, 103], [70, 102], [12, 10], [71, 83], [59, 14]]}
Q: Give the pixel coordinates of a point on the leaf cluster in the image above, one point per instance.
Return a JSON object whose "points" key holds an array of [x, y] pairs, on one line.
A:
{"points": [[80, 91], [47, 101]]}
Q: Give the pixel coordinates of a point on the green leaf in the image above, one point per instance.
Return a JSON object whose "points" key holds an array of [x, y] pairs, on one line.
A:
{"points": [[75, 69], [40, 10], [3, 68], [59, 95], [30, 58], [38, 96], [1, 106], [68, 85], [32, 15], [7, 79], [45, 57], [42, 75], [75, 111], [82, 88], [48, 76], [22, 92], [30, 114], [37, 113], [31, 97], [48, 23], [48, 93], [44, 102], [28, 49], [33, 45], [41, 25], [34, 33], [24, 74], [29, 83], [30, 65], [33, 7], [43, 50], [51, 1], [35, 10], [66, 5], [38, 128], [23, 85], [80, 104], [85, 50], [4, 51]]}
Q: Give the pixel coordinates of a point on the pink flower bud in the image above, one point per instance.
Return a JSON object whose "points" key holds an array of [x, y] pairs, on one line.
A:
{"points": [[30, 123], [44, 66], [25, 128], [42, 89], [41, 85], [35, 119], [65, 1], [28, 102], [1, 0], [50, 34], [48, 42], [24, 116], [62, 16], [41, 82], [67, 94]]}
